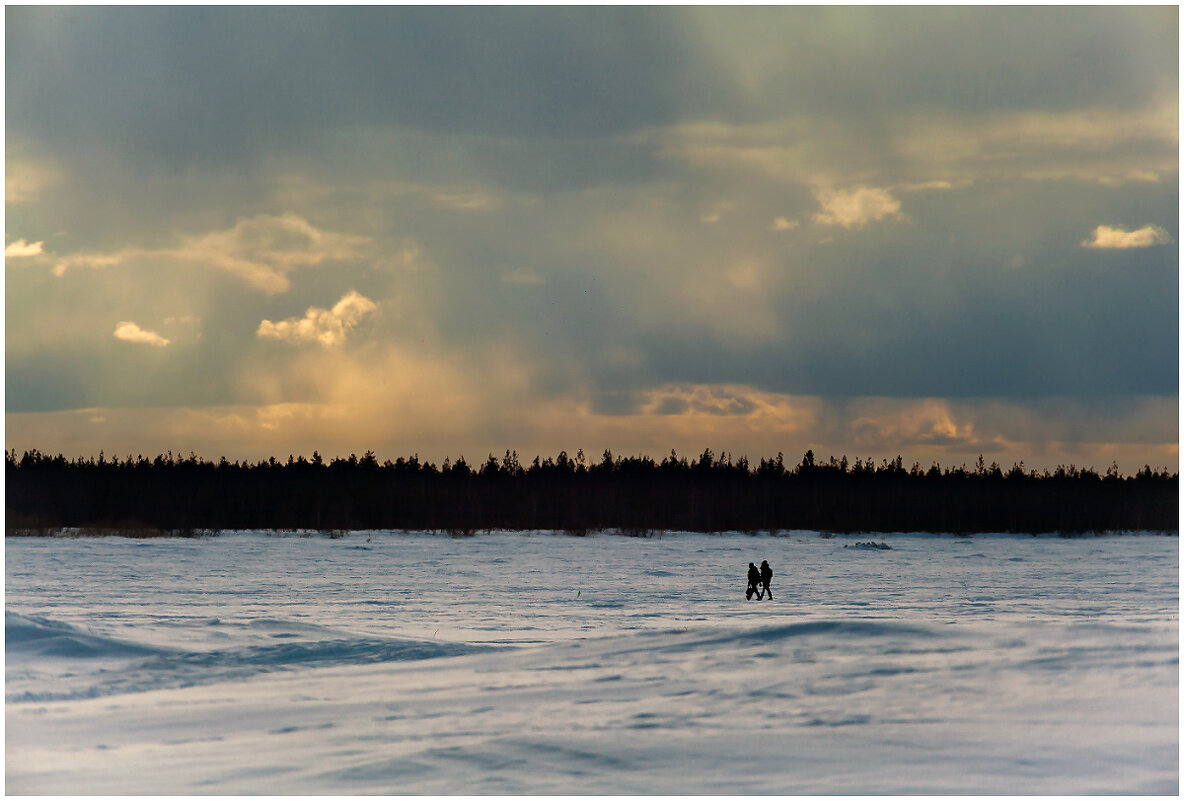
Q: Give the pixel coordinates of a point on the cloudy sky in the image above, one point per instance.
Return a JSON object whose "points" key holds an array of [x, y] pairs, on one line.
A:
{"points": [[928, 232]]}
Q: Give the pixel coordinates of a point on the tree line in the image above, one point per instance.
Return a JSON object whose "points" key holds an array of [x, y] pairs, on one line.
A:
{"points": [[634, 494]]}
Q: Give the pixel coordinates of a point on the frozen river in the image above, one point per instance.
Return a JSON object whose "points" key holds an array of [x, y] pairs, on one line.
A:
{"points": [[539, 663]]}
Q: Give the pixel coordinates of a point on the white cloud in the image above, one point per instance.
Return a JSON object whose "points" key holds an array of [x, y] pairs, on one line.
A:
{"points": [[934, 186], [1103, 145], [855, 208], [931, 151], [782, 224], [93, 261], [21, 249], [260, 250], [1107, 237], [326, 326], [130, 332], [880, 424], [784, 150], [1142, 176]]}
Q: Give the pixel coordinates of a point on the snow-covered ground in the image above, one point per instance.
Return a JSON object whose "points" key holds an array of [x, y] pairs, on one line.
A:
{"points": [[540, 663]]}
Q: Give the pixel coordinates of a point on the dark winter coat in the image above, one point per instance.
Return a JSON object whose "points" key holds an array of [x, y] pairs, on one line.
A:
{"points": [[766, 573]]}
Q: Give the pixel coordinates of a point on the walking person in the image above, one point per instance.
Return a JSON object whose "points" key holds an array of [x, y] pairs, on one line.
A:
{"points": [[754, 580], [766, 577]]}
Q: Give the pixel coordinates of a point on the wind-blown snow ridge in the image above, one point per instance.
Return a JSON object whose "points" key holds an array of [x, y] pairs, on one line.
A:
{"points": [[834, 629], [39, 636], [864, 633], [156, 668]]}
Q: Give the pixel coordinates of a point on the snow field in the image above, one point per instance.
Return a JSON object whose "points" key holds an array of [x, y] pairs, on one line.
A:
{"points": [[538, 663]]}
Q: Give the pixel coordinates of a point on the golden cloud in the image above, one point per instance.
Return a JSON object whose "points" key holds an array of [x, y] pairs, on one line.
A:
{"points": [[130, 332], [857, 207], [326, 327], [782, 224], [399, 401], [21, 249], [1106, 237]]}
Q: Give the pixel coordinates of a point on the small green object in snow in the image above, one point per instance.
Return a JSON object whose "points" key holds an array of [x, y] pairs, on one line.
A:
{"points": [[578, 593]]}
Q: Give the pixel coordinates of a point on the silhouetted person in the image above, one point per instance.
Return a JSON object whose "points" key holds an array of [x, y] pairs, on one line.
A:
{"points": [[766, 577], [754, 581]]}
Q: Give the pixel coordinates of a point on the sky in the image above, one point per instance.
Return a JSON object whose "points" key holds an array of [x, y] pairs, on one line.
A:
{"points": [[927, 232]]}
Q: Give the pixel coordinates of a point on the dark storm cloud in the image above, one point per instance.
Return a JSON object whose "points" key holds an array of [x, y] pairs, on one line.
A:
{"points": [[212, 85], [111, 373], [187, 84], [902, 325], [983, 292], [868, 62]]}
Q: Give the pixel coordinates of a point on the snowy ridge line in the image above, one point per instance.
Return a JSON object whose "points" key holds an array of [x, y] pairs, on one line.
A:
{"points": [[152, 668], [836, 633], [834, 629]]}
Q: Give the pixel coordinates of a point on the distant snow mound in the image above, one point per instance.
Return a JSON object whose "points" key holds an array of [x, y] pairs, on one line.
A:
{"points": [[838, 628], [834, 629], [855, 633], [38, 636]]}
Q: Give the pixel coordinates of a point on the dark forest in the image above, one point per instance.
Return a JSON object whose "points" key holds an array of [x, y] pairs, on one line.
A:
{"points": [[632, 494]]}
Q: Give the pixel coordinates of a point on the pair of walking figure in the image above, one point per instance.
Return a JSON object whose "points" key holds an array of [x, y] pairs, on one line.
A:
{"points": [[758, 581]]}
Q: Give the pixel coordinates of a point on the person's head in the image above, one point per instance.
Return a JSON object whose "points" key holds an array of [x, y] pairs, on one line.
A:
{"points": [[750, 564], [765, 563]]}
